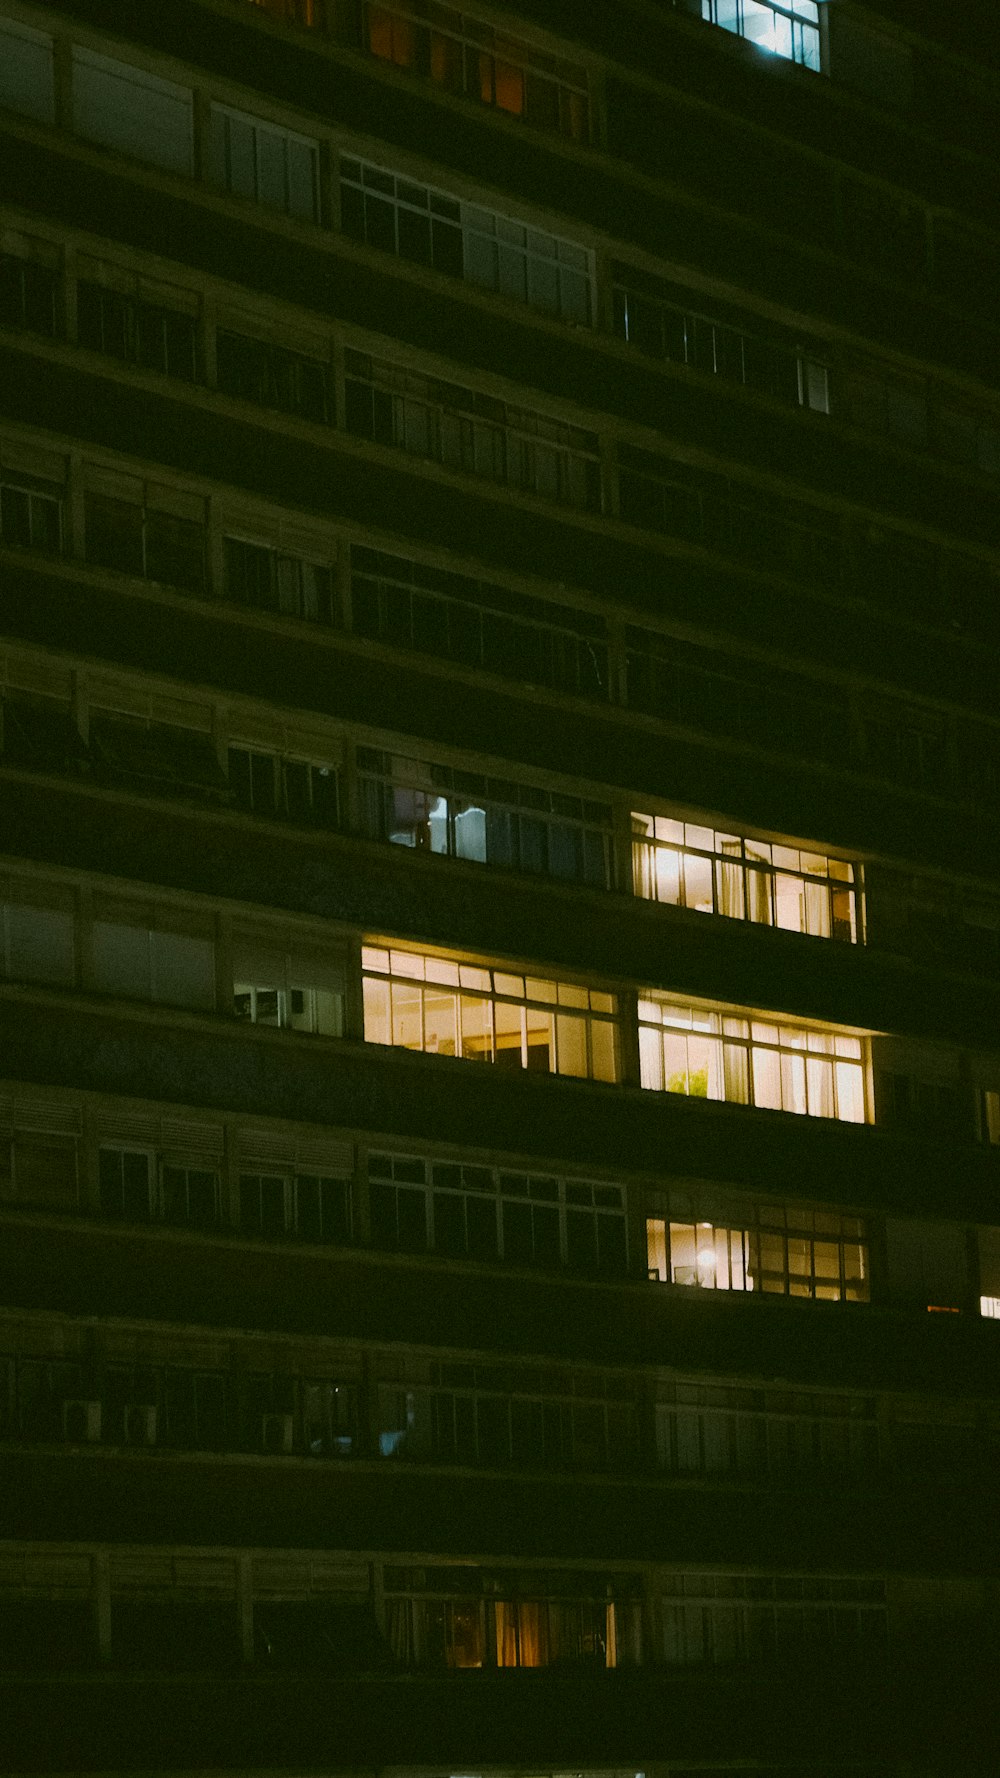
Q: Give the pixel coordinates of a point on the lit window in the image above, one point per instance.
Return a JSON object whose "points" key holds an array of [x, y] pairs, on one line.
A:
{"points": [[461, 1619], [488, 1015], [790, 31], [744, 1060], [465, 56], [780, 1249], [690, 866]]}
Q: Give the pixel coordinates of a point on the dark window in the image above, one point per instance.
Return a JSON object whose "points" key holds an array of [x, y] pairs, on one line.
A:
{"points": [[298, 789], [28, 293], [305, 1205], [47, 1634], [143, 541], [268, 580], [39, 734], [454, 617], [30, 512], [174, 1635], [138, 332], [157, 756], [126, 1178], [256, 371]]}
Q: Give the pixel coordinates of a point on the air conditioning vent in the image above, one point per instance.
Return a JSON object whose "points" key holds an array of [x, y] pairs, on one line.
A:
{"points": [[81, 1422], [277, 1432], [140, 1425]]}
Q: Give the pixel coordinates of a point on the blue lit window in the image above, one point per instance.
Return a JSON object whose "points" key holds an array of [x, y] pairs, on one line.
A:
{"points": [[790, 30]]}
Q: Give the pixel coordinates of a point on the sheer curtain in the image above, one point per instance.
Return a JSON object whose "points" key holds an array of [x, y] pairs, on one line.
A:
{"points": [[730, 880]]}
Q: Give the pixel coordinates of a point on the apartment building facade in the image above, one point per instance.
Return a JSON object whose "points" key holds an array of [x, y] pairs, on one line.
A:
{"points": [[498, 563]]}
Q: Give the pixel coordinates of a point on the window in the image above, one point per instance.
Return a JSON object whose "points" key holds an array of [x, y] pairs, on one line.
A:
{"points": [[909, 745], [928, 1265], [488, 1015], [294, 991], [891, 406], [127, 1179], [686, 865], [472, 433], [269, 579], [31, 510], [737, 699], [462, 1619], [260, 161], [277, 787], [988, 1251], [37, 942], [29, 290], [665, 326], [311, 13], [140, 961], [26, 71], [466, 1210], [137, 1185], [453, 617], [255, 370], [790, 31], [157, 757], [137, 113], [39, 734], [465, 56], [769, 532], [462, 814], [148, 334], [719, 1619], [730, 1429], [437, 1412], [416, 222], [750, 1061], [306, 1206], [46, 1390], [711, 1242], [150, 532], [37, 1167]]}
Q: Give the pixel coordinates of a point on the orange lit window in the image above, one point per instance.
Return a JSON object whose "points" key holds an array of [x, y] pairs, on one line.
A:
{"points": [[391, 38], [446, 61], [509, 88]]}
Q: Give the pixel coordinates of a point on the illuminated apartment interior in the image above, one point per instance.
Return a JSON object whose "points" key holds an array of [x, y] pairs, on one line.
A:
{"points": [[498, 567]]}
